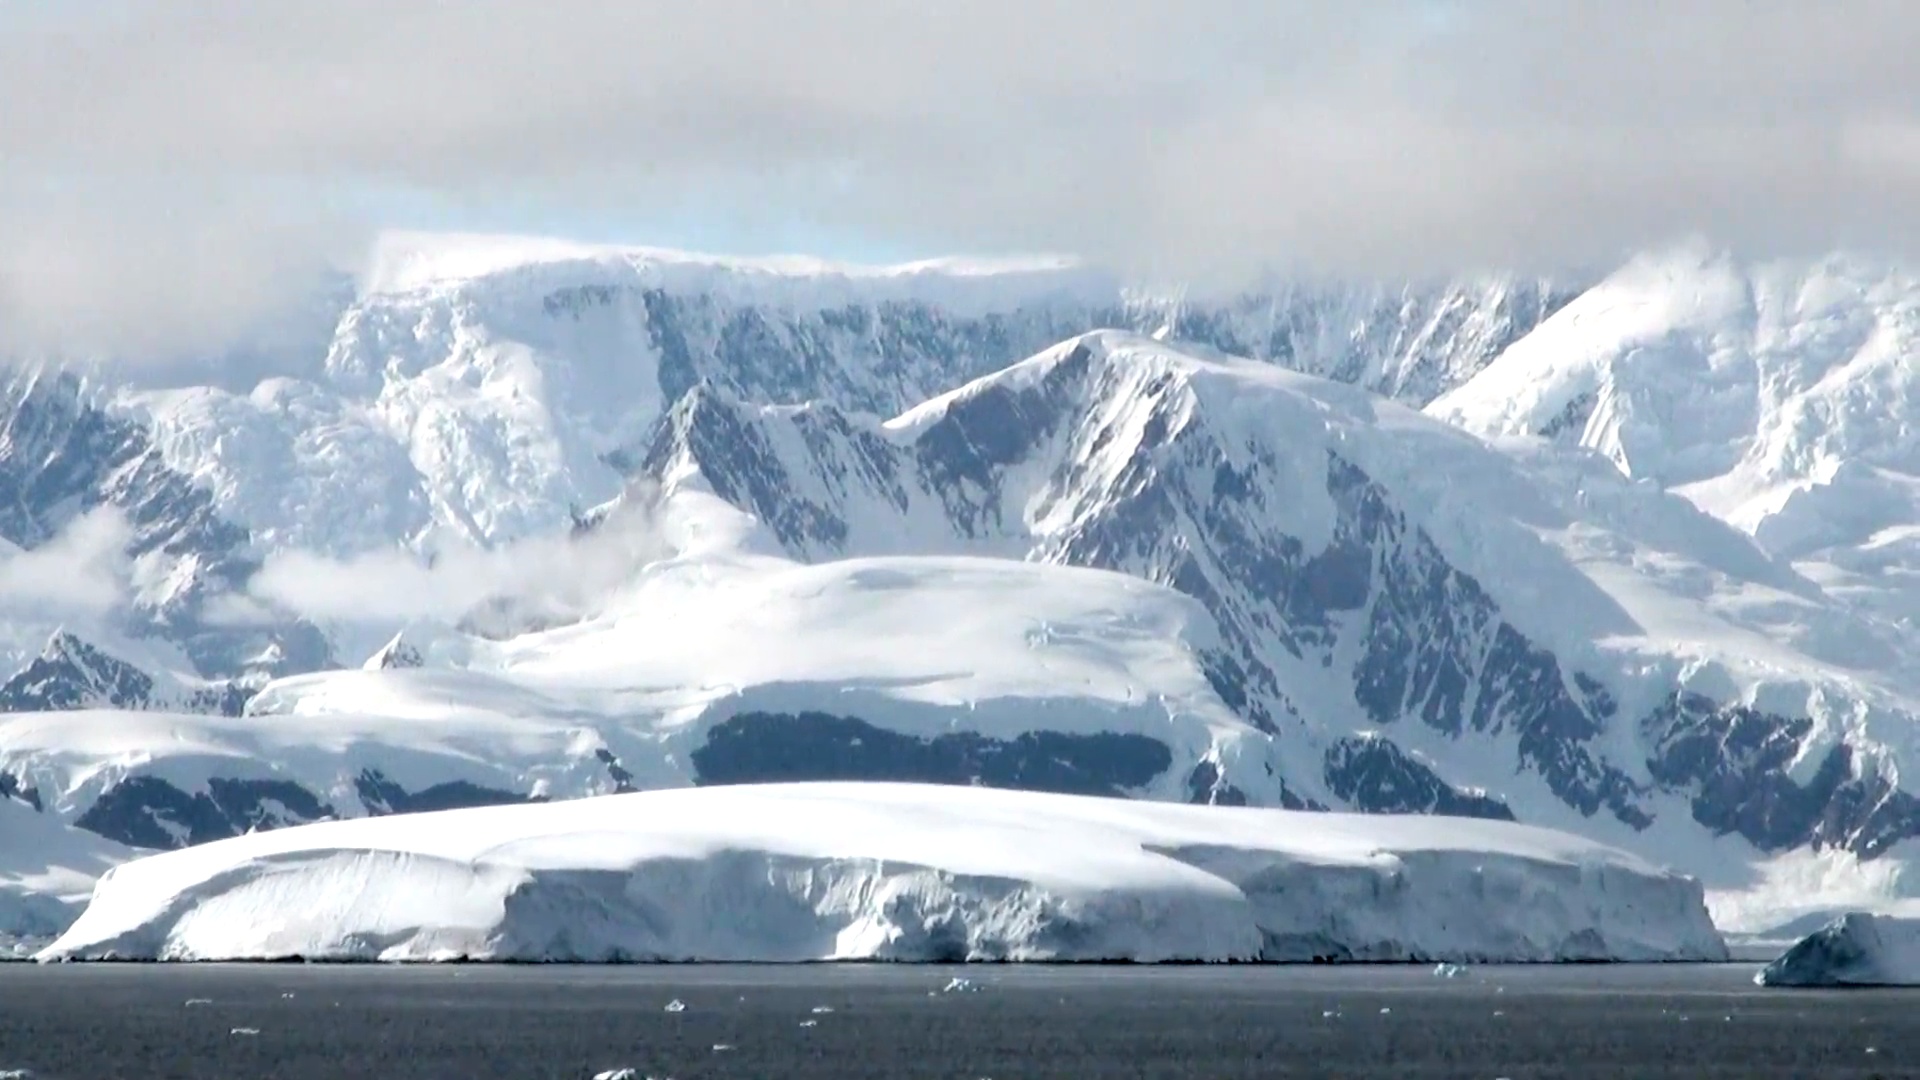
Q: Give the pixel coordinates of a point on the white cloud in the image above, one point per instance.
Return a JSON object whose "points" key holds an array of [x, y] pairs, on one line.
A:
{"points": [[159, 272], [83, 570], [1200, 139], [549, 577]]}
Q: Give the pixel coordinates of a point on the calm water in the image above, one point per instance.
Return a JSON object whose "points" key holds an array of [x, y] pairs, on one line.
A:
{"points": [[846, 1022]]}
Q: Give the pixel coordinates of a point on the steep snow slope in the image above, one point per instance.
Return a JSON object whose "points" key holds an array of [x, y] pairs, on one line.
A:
{"points": [[1780, 397], [836, 871]]}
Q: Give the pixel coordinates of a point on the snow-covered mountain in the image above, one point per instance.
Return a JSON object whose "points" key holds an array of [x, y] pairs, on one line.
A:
{"points": [[476, 388], [1294, 594], [1117, 562], [719, 664], [71, 673], [69, 466], [1783, 398], [1370, 570], [475, 391]]}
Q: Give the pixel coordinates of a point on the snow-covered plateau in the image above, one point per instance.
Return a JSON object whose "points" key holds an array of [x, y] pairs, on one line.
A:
{"points": [[523, 520], [893, 871]]}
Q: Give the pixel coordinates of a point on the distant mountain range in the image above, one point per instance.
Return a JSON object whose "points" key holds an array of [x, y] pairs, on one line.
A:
{"points": [[1634, 558]]}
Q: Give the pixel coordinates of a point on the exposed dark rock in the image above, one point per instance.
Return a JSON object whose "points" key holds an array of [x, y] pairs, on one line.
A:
{"points": [[397, 655], [1377, 777], [759, 747], [380, 795], [1205, 785], [1572, 419], [879, 358], [71, 674], [148, 812], [11, 787], [622, 779], [1733, 761]]}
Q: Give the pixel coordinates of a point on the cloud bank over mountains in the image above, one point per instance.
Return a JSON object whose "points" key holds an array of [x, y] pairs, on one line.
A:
{"points": [[216, 153]]}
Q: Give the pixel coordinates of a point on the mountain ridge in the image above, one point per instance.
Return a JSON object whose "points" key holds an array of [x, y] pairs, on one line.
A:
{"points": [[1462, 612]]}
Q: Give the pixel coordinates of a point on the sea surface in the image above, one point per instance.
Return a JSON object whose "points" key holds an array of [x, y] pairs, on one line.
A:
{"points": [[844, 1021]]}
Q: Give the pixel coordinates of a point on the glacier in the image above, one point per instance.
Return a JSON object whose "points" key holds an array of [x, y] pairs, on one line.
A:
{"points": [[474, 387], [832, 871]]}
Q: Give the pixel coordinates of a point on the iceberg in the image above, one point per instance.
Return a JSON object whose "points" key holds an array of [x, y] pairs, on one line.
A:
{"points": [[1856, 949], [887, 871]]}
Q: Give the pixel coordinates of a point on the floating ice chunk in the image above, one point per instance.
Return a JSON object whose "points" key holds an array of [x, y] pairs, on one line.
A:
{"points": [[676, 1005], [244, 1031], [822, 1009], [191, 1002], [957, 985], [617, 1074], [1448, 971], [1856, 949], [809, 1023]]}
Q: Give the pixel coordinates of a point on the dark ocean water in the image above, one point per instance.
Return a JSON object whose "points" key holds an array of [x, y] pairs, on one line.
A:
{"points": [[74, 1022]]}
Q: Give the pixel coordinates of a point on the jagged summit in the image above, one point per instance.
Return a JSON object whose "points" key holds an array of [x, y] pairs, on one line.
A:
{"points": [[72, 673]]}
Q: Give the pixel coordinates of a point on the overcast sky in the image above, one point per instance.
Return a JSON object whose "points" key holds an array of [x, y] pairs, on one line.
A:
{"points": [[201, 156]]}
